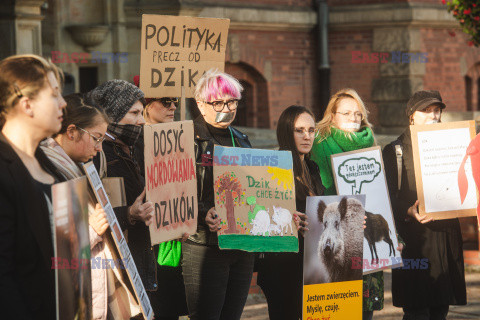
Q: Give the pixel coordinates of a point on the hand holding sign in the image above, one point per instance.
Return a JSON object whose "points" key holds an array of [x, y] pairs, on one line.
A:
{"points": [[98, 220], [140, 211], [213, 220], [358, 171], [413, 212]]}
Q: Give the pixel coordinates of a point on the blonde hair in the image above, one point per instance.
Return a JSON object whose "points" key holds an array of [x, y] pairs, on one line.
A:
{"points": [[23, 76], [146, 116], [215, 84], [324, 126]]}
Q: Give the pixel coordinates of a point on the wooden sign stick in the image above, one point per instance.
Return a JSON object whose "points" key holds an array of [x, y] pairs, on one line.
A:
{"points": [[183, 105]]}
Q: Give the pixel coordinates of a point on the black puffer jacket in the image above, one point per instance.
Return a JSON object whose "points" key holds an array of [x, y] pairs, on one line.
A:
{"points": [[121, 164], [443, 281], [204, 144]]}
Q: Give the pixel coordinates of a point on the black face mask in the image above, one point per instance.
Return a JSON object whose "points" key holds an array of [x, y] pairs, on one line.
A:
{"points": [[127, 133]]}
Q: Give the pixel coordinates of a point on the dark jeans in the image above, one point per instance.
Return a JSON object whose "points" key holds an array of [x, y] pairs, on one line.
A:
{"points": [[367, 315], [432, 313], [169, 301], [216, 281], [280, 275]]}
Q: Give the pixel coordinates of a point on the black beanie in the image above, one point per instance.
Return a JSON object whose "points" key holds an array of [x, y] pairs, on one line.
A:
{"points": [[116, 97]]}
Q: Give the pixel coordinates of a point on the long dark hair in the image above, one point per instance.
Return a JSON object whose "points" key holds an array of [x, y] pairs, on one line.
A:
{"points": [[286, 141]]}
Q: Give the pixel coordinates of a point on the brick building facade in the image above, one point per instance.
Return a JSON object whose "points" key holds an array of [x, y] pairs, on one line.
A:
{"points": [[273, 48]]}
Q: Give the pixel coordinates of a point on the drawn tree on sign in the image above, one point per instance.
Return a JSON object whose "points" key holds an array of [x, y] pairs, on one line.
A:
{"points": [[229, 194]]}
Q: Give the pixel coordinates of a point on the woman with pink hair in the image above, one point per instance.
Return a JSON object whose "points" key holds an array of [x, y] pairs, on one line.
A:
{"points": [[216, 281]]}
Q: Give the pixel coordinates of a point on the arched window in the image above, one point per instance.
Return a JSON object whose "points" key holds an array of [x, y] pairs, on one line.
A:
{"points": [[253, 108], [243, 105]]}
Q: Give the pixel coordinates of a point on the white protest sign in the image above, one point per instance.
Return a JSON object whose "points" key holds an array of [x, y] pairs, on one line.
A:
{"points": [[361, 172], [438, 151]]}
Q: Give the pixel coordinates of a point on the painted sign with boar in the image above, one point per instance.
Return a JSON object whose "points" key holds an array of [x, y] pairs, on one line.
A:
{"points": [[255, 198], [361, 172]]}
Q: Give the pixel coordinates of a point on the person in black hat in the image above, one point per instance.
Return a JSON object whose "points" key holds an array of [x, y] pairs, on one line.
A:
{"points": [[426, 290], [425, 107]]}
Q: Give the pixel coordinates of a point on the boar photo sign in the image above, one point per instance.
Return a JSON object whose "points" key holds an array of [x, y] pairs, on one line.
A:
{"points": [[255, 198], [176, 51], [362, 172], [332, 268], [438, 152], [171, 179], [120, 241]]}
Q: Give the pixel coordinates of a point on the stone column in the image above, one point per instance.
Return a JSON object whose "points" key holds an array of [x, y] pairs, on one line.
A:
{"points": [[20, 28], [398, 81]]}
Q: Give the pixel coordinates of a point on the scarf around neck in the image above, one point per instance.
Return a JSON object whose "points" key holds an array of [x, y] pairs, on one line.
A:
{"points": [[127, 133], [67, 167], [337, 142]]}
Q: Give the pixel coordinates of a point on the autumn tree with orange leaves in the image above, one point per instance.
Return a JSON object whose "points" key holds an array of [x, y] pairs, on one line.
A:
{"points": [[229, 194]]}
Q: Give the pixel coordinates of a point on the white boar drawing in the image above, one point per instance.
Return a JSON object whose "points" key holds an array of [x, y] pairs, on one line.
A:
{"points": [[283, 218], [261, 223]]}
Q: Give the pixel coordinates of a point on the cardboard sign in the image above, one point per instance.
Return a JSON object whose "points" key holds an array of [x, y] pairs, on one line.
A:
{"points": [[171, 182], [438, 151], [255, 197], [115, 189], [332, 274], [72, 250], [362, 172], [176, 51], [119, 240]]}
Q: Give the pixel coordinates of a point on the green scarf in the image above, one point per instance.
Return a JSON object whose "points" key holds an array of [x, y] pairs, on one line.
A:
{"points": [[337, 142], [169, 253]]}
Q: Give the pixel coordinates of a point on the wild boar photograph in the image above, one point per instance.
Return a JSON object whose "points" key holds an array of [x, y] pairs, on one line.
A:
{"points": [[334, 243]]}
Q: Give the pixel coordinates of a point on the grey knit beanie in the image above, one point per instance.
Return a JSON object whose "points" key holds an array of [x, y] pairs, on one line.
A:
{"points": [[116, 97]]}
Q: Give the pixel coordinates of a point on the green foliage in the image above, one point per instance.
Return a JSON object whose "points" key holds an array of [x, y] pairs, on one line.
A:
{"points": [[467, 12]]}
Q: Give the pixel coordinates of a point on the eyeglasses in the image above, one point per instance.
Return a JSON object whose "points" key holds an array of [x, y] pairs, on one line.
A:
{"points": [[167, 102], [98, 141], [348, 114], [218, 105], [302, 131]]}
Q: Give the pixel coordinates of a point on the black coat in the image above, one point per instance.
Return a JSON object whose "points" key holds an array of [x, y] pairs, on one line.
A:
{"points": [[204, 145], [27, 280], [280, 275], [121, 164], [443, 282]]}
